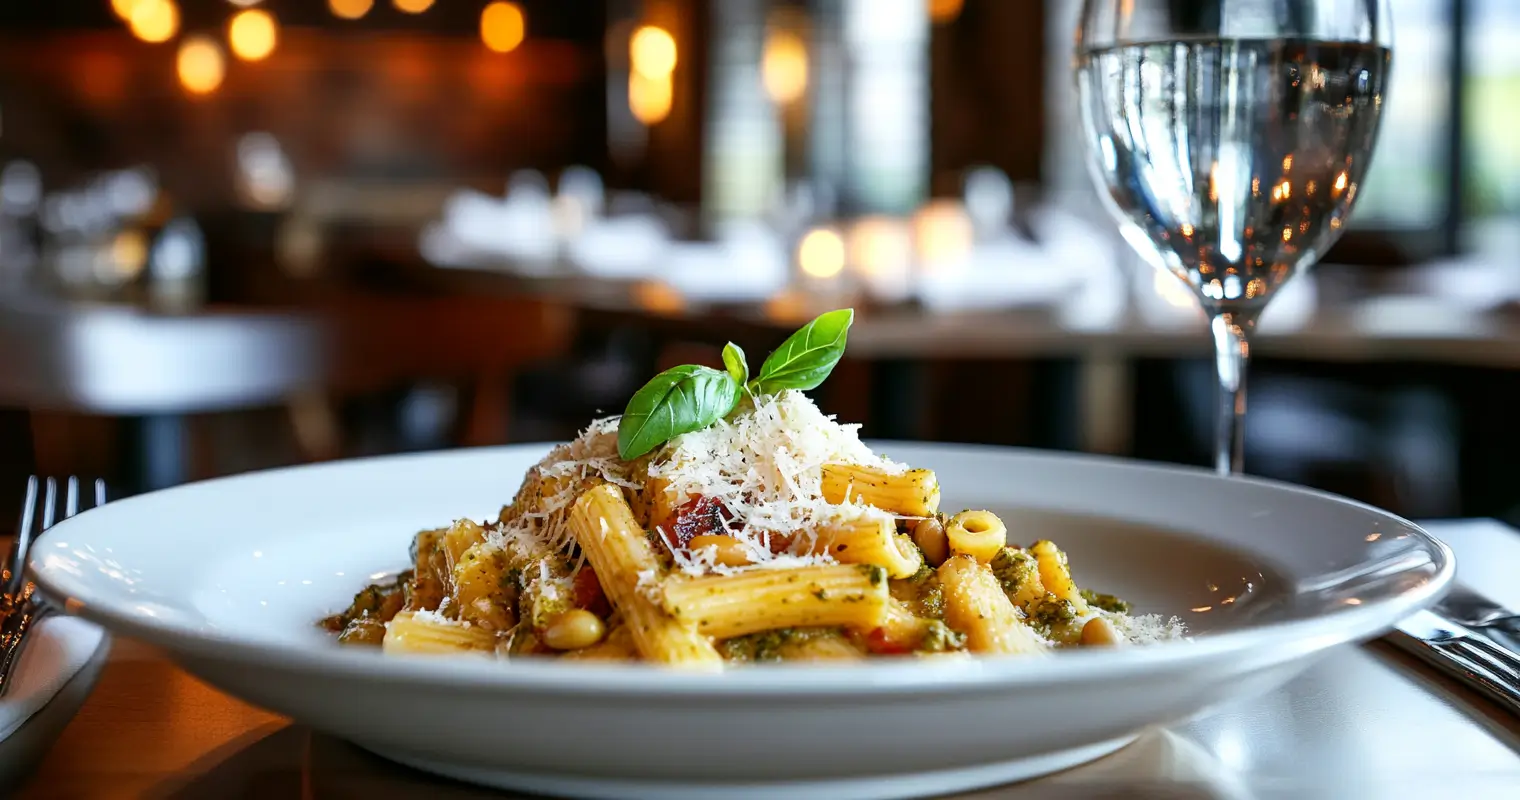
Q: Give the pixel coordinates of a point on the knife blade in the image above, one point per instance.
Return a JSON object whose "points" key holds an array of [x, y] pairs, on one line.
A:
{"points": [[1464, 653]]}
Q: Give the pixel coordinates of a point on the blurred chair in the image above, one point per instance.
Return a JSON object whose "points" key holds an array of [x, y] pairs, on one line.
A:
{"points": [[67, 362], [76, 368], [472, 348]]}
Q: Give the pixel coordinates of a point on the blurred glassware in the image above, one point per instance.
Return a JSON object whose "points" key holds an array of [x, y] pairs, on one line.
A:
{"points": [[265, 178], [1230, 139], [176, 268], [988, 195]]}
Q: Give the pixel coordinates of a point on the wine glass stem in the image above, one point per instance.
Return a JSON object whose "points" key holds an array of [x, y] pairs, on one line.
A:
{"points": [[1232, 354]]}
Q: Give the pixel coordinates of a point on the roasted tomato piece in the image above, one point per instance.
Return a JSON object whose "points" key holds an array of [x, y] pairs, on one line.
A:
{"points": [[703, 516], [879, 642], [588, 592]]}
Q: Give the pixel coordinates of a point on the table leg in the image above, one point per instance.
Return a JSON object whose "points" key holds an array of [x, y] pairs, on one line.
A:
{"points": [[1105, 390], [157, 453]]}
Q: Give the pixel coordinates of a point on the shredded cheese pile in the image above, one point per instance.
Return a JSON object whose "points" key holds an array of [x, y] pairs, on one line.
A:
{"points": [[764, 464], [539, 527]]}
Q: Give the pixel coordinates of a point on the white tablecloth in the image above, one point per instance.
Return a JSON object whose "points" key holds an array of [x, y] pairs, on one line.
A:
{"points": [[1362, 723]]}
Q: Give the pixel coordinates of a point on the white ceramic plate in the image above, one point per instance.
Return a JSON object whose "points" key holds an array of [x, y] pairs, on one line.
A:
{"points": [[229, 576]]}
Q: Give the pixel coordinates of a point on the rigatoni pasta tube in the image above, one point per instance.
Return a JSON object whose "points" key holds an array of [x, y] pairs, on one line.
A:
{"points": [[976, 606], [914, 493], [460, 536], [406, 633], [615, 545], [478, 591], [723, 606], [428, 589], [870, 540], [1055, 574], [979, 534]]}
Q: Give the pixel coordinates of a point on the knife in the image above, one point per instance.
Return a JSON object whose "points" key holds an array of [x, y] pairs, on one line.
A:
{"points": [[1469, 638]]}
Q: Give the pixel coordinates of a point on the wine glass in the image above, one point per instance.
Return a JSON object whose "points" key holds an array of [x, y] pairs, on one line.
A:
{"points": [[1229, 137]]}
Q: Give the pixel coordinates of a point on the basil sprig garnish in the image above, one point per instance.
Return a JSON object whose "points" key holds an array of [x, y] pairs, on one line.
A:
{"points": [[690, 397], [679, 400], [807, 357]]}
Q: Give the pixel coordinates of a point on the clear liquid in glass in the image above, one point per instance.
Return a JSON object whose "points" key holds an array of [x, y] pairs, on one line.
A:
{"points": [[1235, 160]]}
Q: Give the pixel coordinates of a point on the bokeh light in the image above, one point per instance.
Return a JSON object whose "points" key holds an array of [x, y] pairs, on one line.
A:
{"points": [[942, 11], [821, 253], [784, 66], [200, 64], [252, 34], [123, 8], [350, 9], [652, 51], [412, 6], [649, 99], [942, 234], [154, 21], [502, 26]]}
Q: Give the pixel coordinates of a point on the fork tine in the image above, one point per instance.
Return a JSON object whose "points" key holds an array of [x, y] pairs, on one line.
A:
{"points": [[100, 492], [49, 508], [23, 535], [71, 498]]}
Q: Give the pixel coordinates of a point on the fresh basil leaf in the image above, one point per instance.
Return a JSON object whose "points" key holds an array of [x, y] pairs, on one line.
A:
{"points": [[679, 400], [733, 361], [807, 357]]}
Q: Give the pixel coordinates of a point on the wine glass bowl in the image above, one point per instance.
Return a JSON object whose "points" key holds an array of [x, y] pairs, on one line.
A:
{"points": [[1229, 139]]}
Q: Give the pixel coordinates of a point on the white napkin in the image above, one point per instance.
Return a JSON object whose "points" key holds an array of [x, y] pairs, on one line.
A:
{"points": [[55, 650]]}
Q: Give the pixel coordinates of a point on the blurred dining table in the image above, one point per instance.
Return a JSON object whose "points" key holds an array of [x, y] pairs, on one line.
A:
{"points": [[1346, 318], [1364, 722]]}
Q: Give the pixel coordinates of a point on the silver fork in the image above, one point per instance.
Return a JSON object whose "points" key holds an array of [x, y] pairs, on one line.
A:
{"points": [[20, 604]]}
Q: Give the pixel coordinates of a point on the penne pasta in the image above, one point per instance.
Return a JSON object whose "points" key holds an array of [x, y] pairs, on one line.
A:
{"points": [[428, 588], [1055, 574], [409, 633], [979, 534], [659, 503], [914, 493], [824, 645], [976, 606], [723, 606], [617, 549], [769, 532], [870, 540], [460, 536], [479, 591]]}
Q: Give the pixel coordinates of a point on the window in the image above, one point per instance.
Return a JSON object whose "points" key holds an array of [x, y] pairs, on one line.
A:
{"points": [[1491, 127], [1407, 185], [1409, 195]]}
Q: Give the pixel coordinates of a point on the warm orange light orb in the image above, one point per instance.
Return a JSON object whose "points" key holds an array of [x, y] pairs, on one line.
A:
{"points": [[652, 51], [200, 65], [154, 21], [350, 9], [252, 35], [502, 26]]}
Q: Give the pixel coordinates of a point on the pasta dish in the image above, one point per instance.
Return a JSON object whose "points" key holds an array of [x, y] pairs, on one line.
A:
{"points": [[726, 520]]}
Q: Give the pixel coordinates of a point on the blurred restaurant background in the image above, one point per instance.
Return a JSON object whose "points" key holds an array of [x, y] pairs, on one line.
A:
{"points": [[238, 234]]}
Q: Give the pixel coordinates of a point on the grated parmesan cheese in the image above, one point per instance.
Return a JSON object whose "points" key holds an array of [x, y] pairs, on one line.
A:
{"points": [[1147, 628], [765, 465]]}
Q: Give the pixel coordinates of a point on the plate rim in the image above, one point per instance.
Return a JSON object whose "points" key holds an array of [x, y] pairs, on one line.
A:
{"points": [[1269, 643]]}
